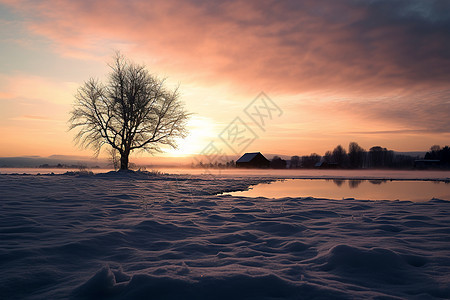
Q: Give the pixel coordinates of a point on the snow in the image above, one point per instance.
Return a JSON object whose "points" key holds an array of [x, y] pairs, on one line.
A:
{"points": [[133, 235]]}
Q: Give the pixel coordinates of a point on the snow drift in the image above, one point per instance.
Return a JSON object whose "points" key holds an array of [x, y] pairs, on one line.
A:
{"points": [[129, 235]]}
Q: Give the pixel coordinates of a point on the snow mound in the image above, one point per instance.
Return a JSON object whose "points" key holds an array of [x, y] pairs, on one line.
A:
{"points": [[377, 264], [104, 285]]}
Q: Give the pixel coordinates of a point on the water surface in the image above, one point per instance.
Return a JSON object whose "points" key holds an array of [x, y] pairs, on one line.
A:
{"points": [[357, 189]]}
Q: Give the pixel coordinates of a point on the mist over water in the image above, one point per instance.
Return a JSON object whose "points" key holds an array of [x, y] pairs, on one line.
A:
{"points": [[286, 173]]}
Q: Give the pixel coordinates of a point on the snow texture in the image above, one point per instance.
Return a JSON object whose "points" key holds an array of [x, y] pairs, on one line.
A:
{"points": [[133, 235]]}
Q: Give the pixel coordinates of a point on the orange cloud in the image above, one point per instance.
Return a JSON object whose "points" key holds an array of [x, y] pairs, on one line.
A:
{"points": [[36, 87], [32, 118]]}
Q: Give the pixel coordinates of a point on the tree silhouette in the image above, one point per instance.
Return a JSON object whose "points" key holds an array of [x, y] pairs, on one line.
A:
{"points": [[328, 157], [133, 111], [339, 156], [277, 163], [441, 154], [309, 161], [295, 162], [356, 155], [380, 157]]}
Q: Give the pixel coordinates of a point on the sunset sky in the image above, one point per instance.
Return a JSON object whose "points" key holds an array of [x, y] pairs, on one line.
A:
{"points": [[372, 71]]}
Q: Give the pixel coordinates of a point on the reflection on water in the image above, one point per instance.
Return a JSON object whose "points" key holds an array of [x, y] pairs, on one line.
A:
{"points": [[378, 181], [354, 183], [338, 182], [380, 189]]}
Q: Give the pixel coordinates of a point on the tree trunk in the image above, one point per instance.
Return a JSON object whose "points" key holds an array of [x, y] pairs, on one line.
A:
{"points": [[124, 160]]}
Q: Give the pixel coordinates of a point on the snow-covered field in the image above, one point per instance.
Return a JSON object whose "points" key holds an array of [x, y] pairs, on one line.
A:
{"points": [[138, 236]]}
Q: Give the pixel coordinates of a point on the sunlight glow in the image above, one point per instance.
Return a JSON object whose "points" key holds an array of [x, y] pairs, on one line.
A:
{"points": [[201, 131]]}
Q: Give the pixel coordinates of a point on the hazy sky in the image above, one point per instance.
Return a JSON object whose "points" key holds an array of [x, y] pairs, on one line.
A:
{"points": [[372, 71]]}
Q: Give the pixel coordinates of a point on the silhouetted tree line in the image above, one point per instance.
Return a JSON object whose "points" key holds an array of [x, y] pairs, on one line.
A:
{"points": [[358, 158], [436, 153], [355, 158], [64, 166], [278, 163], [215, 165]]}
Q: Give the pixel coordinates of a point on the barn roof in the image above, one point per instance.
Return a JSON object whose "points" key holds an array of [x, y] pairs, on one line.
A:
{"points": [[247, 157]]}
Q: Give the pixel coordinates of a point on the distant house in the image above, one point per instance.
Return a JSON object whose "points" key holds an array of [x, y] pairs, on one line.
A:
{"points": [[252, 160]]}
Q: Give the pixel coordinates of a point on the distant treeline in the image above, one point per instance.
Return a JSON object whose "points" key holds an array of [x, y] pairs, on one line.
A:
{"points": [[438, 153], [355, 157], [64, 166], [358, 158], [215, 165]]}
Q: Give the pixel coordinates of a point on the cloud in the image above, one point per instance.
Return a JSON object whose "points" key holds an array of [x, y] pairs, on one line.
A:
{"points": [[421, 112], [32, 118], [291, 46], [26, 98], [426, 112], [36, 88]]}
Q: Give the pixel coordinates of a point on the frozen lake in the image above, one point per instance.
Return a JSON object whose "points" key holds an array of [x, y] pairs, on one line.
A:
{"points": [[353, 188]]}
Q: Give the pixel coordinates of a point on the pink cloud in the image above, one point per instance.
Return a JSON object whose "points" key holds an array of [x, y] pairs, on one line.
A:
{"points": [[291, 47]]}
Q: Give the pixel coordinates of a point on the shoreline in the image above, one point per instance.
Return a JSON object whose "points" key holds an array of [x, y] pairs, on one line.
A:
{"points": [[386, 175]]}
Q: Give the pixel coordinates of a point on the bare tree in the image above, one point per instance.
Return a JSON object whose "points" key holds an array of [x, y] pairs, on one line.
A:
{"points": [[133, 111]]}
